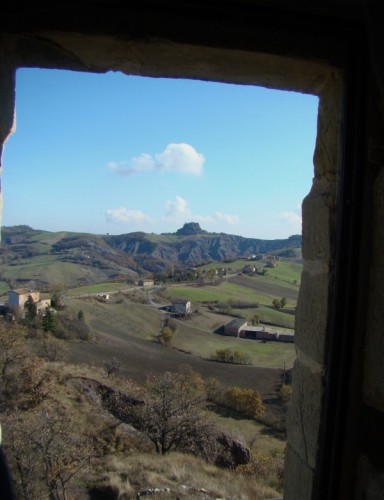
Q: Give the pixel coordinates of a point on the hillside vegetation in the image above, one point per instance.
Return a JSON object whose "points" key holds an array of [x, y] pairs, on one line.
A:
{"points": [[81, 431], [67, 258]]}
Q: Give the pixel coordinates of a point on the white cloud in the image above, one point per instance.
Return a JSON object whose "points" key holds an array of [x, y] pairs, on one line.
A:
{"points": [[123, 214], [293, 218], [178, 211], [181, 158], [137, 164], [218, 217], [177, 208], [175, 158]]}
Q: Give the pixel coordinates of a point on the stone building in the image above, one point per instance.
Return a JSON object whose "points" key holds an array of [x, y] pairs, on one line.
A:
{"points": [[234, 327], [335, 50], [181, 307], [18, 297]]}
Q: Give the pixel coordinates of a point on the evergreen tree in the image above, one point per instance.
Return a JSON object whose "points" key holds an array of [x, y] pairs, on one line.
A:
{"points": [[48, 321], [30, 309]]}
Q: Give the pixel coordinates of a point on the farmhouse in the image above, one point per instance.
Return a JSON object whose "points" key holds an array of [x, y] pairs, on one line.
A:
{"points": [[146, 283], [264, 333], [104, 296], [17, 298], [235, 327], [181, 307]]}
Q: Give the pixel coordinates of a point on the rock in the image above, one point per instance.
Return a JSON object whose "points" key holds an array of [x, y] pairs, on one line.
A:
{"points": [[233, 451]]}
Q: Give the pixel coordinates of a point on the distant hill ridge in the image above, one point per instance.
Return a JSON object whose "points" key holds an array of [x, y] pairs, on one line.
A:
{"points": [[139, 252]]}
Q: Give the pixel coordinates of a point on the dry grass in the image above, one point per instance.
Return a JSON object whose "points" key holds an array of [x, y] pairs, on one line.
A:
{"points": [[181, 475], [123, 464]]}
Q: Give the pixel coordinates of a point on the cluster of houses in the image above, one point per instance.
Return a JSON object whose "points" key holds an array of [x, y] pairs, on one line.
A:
{"points": [[240, 328]]}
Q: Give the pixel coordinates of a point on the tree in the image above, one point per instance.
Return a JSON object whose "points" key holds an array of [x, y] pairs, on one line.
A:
{"points": [[30, 310], [283, 302], [112, 366], [48, 321], [80, 315], [276, 303], [12, 346], [56, 300], [45, 452], [245, 401], [52, 348], [255, 320], [172, 415]]}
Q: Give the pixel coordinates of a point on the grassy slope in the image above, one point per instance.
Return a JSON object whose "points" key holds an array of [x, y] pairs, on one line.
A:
{"points": [[286, 270], [223, 292], [97, 288], [126, 320], [50, 269], [128, 464], [203, 343], [246, 292]]}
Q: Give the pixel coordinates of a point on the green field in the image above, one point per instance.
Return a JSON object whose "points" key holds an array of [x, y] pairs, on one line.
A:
{"points": [[223, 293], [286, 272], [49, 269], [97, 288], [203, 343], [227, 291]]}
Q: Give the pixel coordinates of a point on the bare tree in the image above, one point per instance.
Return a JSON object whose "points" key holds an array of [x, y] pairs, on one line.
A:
{"points": [[53, 349], [12, 345], [112, 366], [45, 452], [172, 416]]}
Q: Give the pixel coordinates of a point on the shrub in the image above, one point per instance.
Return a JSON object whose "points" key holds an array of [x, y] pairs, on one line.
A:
{"points": [[228, 355], [166, 335], [70, 327]]}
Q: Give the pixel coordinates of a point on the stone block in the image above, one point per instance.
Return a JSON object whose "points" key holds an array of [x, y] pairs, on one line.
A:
{"points": [[318, 209], [327, 150], [304, 412], [298, 477], [311, 313]]}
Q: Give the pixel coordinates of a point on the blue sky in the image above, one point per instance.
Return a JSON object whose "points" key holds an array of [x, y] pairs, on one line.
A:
{"points": [[114, 154]]}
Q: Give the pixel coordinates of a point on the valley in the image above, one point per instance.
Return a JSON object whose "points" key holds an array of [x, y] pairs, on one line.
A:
{"points": [[124, 323]]}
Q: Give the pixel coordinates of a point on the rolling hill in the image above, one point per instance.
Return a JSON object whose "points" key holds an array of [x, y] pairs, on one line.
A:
{"points": [[79, 258]]}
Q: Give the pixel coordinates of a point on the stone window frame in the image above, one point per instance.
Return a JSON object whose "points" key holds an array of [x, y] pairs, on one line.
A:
{"points": [[319, 376]]}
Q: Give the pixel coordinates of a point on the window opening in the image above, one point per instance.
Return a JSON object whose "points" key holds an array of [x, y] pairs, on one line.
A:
{"points": [[102, 156]]}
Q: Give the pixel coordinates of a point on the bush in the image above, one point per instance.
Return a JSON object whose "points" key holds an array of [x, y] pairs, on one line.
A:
{"points": [[266, 467], [228, 355], [70, 327], [166, 335]]}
